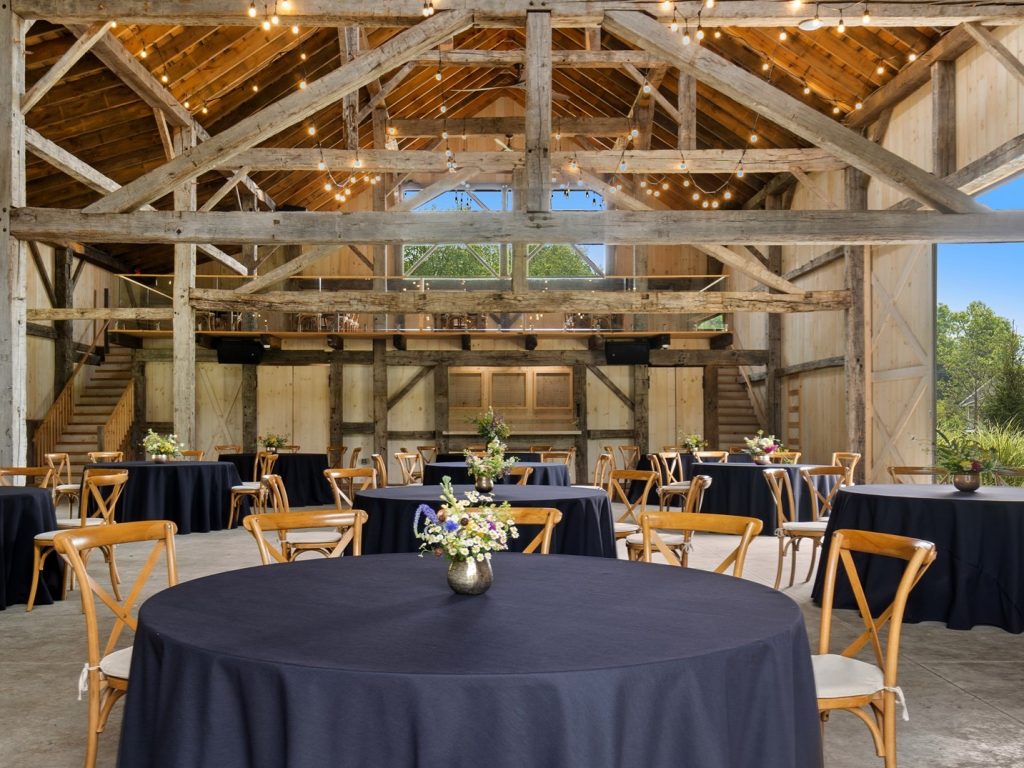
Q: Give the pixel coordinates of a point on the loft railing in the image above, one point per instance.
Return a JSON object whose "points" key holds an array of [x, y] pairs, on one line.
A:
{"points": [[63, 408]]}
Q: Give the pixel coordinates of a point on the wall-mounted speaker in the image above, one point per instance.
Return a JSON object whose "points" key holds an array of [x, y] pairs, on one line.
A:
{"points": [[627, 352], [239, 351]]}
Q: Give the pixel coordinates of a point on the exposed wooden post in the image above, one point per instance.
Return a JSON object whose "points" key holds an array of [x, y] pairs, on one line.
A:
{"points": [[579, 398], [13, 253], [944, 118], [139, 402], [64, 344], [711, 406], [348, 42], [520, 254], [686, 104], [337, 399], [250, 414], [641, 414], [538, 111], [773, 381], [184, 322], [380, 399], [858, 333], [381, 265], [441, 406]]}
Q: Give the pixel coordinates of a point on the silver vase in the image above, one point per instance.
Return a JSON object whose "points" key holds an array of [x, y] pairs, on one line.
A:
{"points": [[470, 577], [967, 481], [484, 484]]}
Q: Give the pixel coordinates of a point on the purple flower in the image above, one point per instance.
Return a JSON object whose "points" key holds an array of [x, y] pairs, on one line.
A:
{"points": [[423, 509], [976, 466]]}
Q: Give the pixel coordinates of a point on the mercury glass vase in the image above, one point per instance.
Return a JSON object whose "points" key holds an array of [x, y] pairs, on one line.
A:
{"points": [[967, 482], [484, 484], [470, 577], [160, 457], [762, 459]]}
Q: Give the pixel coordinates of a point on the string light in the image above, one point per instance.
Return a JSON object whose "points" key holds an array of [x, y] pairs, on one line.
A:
{"points": [[686, 33], [428, 8], [859, 105], [664, 185], [836, 110], [266, 25], [328, 187], [205, 109], [321, 166], [753, 138], [185, 104], [666, 5], [810, 25], [880, 70], [143, 53], [252, 10], [696, 196], [714, 203], [866, 18], [164, 78], [718, 34], [674, 26], [113, 25], [727, 195], [700, 31], [912, 57], [275, 20], [646, 87], [765, 66], [286, 5], [357, 163], [807, 90], [841, 28], [311, 130], [740, 172], [783, 36], [704, 204], [709, 4], [295, 29], [255, 87], [302, 56], [796, 4], [302, 84]]}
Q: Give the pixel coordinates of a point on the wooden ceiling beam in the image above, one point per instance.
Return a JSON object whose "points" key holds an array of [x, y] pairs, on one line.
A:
{"points": [[78, 49], [613, 227], [393, 13], [995, 48], [288, 111], [786, 111]]}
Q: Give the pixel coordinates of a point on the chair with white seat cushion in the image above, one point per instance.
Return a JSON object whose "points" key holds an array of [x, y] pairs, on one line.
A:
{"points": [[679, 543], [101, 490], [106, 672], [253, 490], [790, 531], [629, 521], [63, 488], [670, 465], [868, 690]]}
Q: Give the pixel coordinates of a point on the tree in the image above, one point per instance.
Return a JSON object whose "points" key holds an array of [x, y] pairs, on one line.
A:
{"points": [[559, 261], [967, 346], [1004, 402]]}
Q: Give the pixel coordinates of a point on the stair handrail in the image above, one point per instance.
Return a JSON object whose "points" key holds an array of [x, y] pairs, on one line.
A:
{"points": [[119, 425], [63, 408], [758, 403]]}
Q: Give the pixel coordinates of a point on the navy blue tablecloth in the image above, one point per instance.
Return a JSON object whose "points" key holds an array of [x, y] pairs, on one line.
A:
{"points": [[544, 473], [24, 512], [301, 473], [978, 574], [196, 495], [521, 455], [586, 527], [739, 488], [567, 662]]}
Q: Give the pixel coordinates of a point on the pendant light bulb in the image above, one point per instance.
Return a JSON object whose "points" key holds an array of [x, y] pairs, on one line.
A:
{"points": [[252, 10]]}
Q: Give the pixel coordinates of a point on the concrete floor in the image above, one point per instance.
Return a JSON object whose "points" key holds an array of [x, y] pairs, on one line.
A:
{"points": [[965, 690]]}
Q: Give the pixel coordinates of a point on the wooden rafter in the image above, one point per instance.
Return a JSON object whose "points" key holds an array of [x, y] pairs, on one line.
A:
{"points": [[82, 45]]}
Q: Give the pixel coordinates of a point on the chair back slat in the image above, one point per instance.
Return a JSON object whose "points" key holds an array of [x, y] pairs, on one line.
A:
{"points": [[60, 463], [343, 484], [782, 493], [936, 474], [618, 493], [848, 460], [336, 455], [784, 457], [428, 454], [703, 457], [101, 491], [409, 463], [381, 467], [349, 523], [548, 517], [111, 456], [821, 503], [523, 473], [688, 522], [263, 464]]}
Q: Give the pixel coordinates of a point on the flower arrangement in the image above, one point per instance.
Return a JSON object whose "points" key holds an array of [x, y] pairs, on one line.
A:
{"points": [[491, 426], [962, 455], [273, 441], [161, 445], [692, 443], [492, 464], [456, 533], [762, 444]]}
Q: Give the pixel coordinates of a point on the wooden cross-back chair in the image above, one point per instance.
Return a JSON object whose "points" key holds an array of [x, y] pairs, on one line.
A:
{"points": [[546, 517], [535, 448], [1009, 476], [354, 457], [523, 473], [428, 454], [41, 477], [899, 475], [704, 457], [630, 456], [409, 463], [790, 531], [63, 488], [629, 521], [336, 456], [114, 456], [821, 503], [558, 457], [653, 524], [105, 674], [346, 528], [611, 455], [784, 457], [848, 461], [679, 543], [253, 490], [869, 691], [290, 448], [101, 491], [193, 455], [380, 466], [346, 481], [227, 449], [670, 466]]}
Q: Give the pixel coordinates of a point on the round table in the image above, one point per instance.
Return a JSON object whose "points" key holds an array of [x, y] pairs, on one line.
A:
{"points": [[521, 455], [566, 661], [196, 495], [977, 576], [586, 527], [301, 473], [24, 512], [740, 489], [544, 473]]}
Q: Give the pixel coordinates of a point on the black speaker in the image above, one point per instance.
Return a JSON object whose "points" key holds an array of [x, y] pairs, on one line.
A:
{"points": [[239, 351], [627, 352]]}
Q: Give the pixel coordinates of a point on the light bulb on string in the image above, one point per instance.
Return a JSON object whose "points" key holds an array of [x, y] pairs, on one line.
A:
{"points": [[740, 172], [866, 18], [646, 87], [718, 34], [674, 26], [185, 104], [321, 166], [796, 4], [765, 66], [255, 87], [634, 132], [704, 204], [700, 32], [841, 27], [295, 29], [164, 78], [666, 5], [143, 53], [428, 8], [113, 25], [859, 105], [783, 35], [302, 56], [880, 70], [622, 165], [266, 25], [302, 84], [664, 185], [714, 203], [205, 109], [275, 20], [657, 193], [286, 5], [836, 110], [339, 197], [911, 57], [727, 195], [686, 182], [696, 196], [686, 34], [252, 10], [438, 75], [807, 90], [643, 184], [709, 4], [753, 138]]}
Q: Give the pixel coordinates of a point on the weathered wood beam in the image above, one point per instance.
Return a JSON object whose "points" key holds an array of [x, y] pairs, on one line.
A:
{"points": [[44, 276], [380, 399], [164, 131], [538, 111], [590, 59], [81, 171], [601, 376], [99, 313], [660, 161], [943, 118], [446, 183], [612, 227], [686, 107], [995, 48], [421, 374], [283, 113], [531, 301], [742, 260], [225, 188], [788, 112], [857, 362], [378, 98], [710, 392], [421, 128], [183, 321], [63, 65], [64, 349], [286, 270], [566, 13]]}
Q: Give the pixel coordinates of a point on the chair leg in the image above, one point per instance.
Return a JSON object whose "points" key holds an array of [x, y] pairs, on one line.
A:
{"points": [[115, 578], [889, 730], [782, 558], [815, 543], [37, 567], [793, 549], [93, 737]]}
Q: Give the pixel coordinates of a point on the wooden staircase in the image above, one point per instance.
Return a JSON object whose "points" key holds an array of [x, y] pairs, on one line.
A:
{"points": [[95, 407], [736, 415]]}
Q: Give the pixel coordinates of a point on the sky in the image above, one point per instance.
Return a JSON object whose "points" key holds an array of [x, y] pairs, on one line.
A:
{"points": [[991, 272]]}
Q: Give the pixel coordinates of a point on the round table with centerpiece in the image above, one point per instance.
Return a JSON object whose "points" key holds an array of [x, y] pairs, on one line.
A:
{"points": [[544, 473]]}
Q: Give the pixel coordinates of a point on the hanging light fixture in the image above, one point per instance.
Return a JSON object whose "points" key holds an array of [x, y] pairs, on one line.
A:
{"points": [[841, 27], [252, 10], [810, 25], [866, 18]]}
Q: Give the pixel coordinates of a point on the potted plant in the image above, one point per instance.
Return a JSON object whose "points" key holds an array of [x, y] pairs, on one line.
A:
{"points": [[761, 446], [273, 442], [160, 447], [465, 538], [965, 460], [692, 443], [487, 468], [490, 426]]}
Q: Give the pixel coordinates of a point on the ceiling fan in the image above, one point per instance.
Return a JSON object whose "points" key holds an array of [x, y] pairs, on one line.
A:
{"points": [[519, 83]]}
